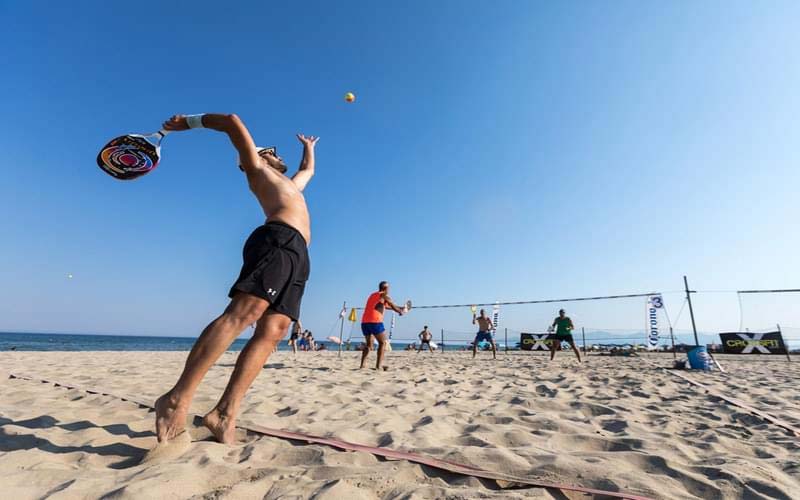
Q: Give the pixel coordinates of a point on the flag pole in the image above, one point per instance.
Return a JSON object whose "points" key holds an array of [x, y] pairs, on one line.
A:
{"points": [[341, 326], [671, 336]]}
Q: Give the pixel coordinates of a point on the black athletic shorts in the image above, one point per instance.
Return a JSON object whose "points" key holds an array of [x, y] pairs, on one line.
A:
{"points": [[276, 268], [565, 337]]}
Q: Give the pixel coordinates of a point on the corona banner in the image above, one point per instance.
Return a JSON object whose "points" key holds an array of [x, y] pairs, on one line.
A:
{"points": [[654, 304]]}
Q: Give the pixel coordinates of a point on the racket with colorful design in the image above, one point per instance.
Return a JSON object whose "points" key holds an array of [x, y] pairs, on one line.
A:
{"points": [[130, 156]]}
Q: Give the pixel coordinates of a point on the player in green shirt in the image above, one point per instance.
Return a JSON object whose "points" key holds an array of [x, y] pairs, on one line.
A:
{"points": [[563, 325]]}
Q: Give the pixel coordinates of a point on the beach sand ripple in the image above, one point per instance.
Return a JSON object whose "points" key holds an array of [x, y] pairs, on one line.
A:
{"points": [[618, 424]]}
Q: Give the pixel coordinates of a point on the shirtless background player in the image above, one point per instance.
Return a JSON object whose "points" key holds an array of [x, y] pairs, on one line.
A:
{"points": [[372, 322], [485, 328], [269, 288], [425, 337]]}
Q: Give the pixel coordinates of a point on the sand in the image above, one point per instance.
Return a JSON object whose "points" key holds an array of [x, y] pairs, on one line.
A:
{"points": [[617, 424]]}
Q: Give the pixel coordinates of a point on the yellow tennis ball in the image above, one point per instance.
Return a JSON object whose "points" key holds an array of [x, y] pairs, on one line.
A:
{"points": [[349, 97]]}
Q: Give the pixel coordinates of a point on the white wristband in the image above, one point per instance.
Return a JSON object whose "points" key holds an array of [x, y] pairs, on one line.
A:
{"points": [[195, 121]]}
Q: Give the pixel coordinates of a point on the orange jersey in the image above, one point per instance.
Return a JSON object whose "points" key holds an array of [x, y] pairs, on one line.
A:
{"points": [[373, 311]]}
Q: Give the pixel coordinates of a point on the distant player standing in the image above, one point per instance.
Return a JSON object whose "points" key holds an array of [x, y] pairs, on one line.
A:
{"points": [[425, 337], [485, 328], [296, 329], [563, 325]]}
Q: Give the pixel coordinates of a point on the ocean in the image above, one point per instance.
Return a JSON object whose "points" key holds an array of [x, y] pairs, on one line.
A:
{"points": [[10, 341]]}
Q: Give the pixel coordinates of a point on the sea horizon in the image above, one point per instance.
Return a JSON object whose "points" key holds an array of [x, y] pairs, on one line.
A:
{"points": [[62, 341]]}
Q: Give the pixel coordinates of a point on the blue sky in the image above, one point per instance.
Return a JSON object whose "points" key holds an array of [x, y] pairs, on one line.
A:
{"points": [[496, 151]]}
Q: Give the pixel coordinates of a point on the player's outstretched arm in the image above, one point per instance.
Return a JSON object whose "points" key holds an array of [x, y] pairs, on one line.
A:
{"points": [[392, 305], [231, 125], [306, 170]]}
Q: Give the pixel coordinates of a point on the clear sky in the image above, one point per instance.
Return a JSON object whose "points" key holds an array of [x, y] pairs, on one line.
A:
{"points": [[496, 151]]}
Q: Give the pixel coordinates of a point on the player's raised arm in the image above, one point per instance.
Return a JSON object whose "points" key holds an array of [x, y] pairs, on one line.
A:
{"points": [[306, 170], [230, 124]]}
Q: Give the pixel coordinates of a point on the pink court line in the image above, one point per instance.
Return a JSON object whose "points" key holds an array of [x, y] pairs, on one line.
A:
{"points": [[504, 481]]}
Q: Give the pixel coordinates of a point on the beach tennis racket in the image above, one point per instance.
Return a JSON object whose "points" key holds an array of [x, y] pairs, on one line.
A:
{"points": [[407, 307], [130, 156]]}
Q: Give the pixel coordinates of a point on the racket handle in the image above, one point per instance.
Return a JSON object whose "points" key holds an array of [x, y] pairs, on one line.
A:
{"points": [[164, 132]]}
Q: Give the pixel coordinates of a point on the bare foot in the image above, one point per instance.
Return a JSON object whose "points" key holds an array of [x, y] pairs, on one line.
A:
{"points": [[170, 418], [223, 427]]}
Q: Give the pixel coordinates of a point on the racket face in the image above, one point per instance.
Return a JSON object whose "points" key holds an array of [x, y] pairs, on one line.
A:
{"points": [[128, 157], [408, 305]]}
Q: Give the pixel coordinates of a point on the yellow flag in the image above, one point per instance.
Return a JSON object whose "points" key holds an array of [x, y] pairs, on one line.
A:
{"points": [[353, 316]]}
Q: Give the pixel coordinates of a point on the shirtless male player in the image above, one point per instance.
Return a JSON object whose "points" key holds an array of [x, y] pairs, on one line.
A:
{"points": [[269, 288], [425, 337], [372, 322], [485, 328]]}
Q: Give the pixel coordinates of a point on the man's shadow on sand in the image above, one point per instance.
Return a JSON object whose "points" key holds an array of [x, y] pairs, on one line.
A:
{"points": [[14, 442]]}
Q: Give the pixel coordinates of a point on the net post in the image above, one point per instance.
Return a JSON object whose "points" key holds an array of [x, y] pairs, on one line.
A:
{"points": [[341, 326], [691, 310], [583, 334], [506, 340], [785, 344], [442, 341]]}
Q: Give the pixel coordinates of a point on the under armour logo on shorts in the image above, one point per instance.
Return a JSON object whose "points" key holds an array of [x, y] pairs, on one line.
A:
{"points": [[272, 292]]}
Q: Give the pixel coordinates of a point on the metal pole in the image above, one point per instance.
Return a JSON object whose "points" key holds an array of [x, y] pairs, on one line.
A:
{"points": [[583, 334], [442, 339], [785, 345], [691, 311], [341, 326], [674, 354], [506, 339]]}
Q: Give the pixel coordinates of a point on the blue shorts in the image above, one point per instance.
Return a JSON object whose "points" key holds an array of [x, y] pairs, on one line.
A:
{"points": [[372, 328], [481, 336]]}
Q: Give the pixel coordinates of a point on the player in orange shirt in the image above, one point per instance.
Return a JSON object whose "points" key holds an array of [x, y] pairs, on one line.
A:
{"points": [[372, 322]]}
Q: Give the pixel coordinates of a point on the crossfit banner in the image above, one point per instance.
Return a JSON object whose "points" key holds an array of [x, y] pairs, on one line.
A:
{"points": [[496, 316], [752, 343], [654, 303], [536, 341]]}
